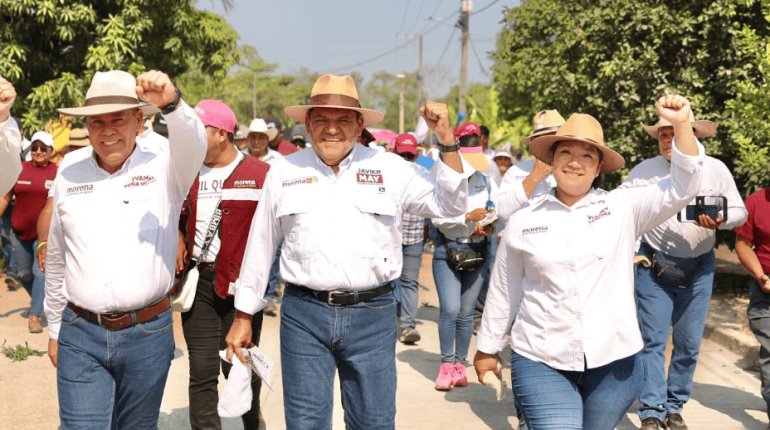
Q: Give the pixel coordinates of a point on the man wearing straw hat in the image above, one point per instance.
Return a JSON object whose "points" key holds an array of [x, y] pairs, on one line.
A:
{"points": [[673, 284], [338, 207], [112, 250], [10, 139]]}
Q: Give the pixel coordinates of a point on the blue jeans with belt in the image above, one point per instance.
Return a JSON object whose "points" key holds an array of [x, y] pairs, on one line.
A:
{"points": [[112, 379], [592, 399], [358, 342], [457, 294], [659, 307]]}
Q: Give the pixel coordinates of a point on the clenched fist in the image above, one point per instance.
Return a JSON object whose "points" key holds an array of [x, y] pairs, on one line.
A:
{"points": [[437, 117]]}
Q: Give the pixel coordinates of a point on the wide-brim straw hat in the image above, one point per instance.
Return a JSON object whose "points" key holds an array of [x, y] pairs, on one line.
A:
{"points": [[545, 122], [78, 137], [474, 155], [582, 128], [701, 128], [330, 91], [112, 91]]}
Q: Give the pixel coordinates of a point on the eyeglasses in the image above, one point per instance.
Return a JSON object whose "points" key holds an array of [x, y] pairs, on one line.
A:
{"points": [[39, 149], [408, 156]]}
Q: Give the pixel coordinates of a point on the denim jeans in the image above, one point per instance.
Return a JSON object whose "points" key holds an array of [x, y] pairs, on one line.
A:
{"points": [[658, 307], [491, 255], [457, 294], [594, 399], [357, 341], [407, 285], [32, 278], [5, 237], [759, 320], [112, 379], [205, 326], [275, 274]]}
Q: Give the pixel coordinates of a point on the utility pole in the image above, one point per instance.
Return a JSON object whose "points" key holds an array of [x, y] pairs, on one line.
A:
{"points": [[420, 76], [401, 77], [466, 6], [253, 95]]}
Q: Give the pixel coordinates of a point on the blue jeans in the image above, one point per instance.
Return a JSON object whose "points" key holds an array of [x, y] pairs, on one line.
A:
{"points": [[408, 286], [357, 341], [759, 320], [112, 379], [658, 307], [594, 399], [457, 294], [32, 278], [5, 237], [491, 255], [275, 274]]}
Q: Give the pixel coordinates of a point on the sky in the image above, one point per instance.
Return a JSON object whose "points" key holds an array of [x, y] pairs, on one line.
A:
{"points": [[342, 36]]}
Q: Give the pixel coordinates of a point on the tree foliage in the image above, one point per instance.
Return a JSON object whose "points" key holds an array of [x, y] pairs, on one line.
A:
{"points": [[614, 58], [50, 49]]}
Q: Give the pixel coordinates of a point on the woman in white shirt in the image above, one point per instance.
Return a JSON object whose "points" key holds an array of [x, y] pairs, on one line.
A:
{"points": [[564, 275]]}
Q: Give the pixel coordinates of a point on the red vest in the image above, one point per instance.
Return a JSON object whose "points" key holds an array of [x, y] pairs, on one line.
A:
{"points": [[237, 213]]}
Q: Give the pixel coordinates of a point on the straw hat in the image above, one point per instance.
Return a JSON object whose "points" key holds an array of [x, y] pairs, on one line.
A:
{"points": [[330, 91], [258, 125], [112, 91], [78, 137], [702, 128], [582, 128], [544, 122]]}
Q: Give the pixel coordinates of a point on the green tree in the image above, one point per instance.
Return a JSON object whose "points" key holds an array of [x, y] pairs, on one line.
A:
{"points": [[382, 92], [614, 58], [50, 49]]}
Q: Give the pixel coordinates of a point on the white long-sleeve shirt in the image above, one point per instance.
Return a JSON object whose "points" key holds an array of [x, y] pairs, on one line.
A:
{"points": [[341, 231], [511, 196], [10, 159], [456, 227], [686, 239], [113, 239], [566, 273]]}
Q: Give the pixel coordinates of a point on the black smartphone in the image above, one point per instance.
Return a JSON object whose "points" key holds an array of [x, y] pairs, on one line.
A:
{"points": [[713, 206]]}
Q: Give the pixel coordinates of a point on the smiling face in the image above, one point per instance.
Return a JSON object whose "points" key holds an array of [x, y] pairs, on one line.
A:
{"points": [[665, 140], [333, 132], [575, 165], [113, 136], [41, 153]]}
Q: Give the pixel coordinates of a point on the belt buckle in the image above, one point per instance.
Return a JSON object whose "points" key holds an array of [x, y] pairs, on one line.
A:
{"points": [[331, 296]]}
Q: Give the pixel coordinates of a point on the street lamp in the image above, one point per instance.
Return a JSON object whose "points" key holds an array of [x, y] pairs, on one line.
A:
{"points": [[401, 77]]}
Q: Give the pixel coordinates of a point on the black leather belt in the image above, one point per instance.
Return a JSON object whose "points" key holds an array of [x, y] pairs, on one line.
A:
{"points": [[209, 267], [345, 298]]}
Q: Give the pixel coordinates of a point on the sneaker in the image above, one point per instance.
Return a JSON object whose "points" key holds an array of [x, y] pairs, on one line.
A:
{"points": [[409, 336], [675, 422], [652, 423], [444, 378], [34, 325], [270, 308], [459, 379], [12, 282]]}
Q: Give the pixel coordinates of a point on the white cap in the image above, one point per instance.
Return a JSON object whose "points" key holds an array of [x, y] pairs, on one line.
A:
{"points": [[258, 125], [44, 137]]}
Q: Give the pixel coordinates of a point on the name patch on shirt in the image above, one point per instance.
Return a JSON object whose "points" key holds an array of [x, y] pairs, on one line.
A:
{"points": [[369, 176], [298, 181], [602, 213], [48, 184], [245, 183], [79, 189], [140, 181], [23, 182], [533, 230]]}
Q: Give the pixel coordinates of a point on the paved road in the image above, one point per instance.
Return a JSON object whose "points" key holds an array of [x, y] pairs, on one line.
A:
{"points": [[725, 397]]}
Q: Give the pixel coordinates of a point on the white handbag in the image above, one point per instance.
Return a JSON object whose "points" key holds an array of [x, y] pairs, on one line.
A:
{"points": [[182, 300]]}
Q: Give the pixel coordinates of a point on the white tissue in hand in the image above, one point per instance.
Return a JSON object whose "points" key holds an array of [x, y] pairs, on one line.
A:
{"points": [[236, 396], [490, 379]]}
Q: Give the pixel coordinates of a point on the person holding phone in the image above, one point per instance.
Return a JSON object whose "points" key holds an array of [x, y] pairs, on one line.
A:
{"points": [[673, 284]]}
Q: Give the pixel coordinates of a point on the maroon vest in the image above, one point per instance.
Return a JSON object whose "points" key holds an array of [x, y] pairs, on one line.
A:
{"points": [[234, 226]]}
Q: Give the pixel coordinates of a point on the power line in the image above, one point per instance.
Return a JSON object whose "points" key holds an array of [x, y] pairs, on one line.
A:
{"points": [[478, 58], [485, 7], [419, 11], [403, 19]]}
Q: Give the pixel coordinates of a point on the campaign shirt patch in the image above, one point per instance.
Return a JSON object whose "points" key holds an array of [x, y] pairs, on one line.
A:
{"points": [[140, 181], [602, 213], [369, 176], [298, 181], [48, 184], [23, 182], [245, 183], [79, 189], [534, 230]]}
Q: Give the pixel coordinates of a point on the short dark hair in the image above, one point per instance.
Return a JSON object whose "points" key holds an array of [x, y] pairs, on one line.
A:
{"points": [[484, 130], [469, 140]]}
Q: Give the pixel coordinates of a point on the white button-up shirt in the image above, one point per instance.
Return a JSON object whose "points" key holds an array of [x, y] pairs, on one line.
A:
{"points": [[511, 196], [113, 239], [341, 231], [10, 150], [456, 227], [686, 239], [566, 273]]}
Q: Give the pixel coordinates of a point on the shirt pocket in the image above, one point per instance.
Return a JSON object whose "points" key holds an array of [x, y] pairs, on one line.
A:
{"points": [[377, 225], [291, 213], [141, 215], [237, 217]]}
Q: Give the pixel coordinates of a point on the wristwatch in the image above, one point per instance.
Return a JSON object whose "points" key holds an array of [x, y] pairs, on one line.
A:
{"points": [[167, 109], [449, 148]]}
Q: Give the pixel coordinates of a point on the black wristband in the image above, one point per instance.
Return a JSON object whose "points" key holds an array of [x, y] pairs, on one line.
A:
{"points": [[449, 148], [167, 109]]}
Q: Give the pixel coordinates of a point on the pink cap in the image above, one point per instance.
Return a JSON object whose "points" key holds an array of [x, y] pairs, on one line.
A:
{"points": [[466, 129], [405, 142], [215, 113]]}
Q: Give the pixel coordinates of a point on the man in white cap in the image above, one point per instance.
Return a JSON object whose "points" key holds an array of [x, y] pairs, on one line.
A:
{"points": [[674, 287], [112, 250], [339, 207], [10, 139]]}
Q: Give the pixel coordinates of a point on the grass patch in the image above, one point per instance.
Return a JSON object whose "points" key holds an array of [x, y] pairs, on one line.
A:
{"points": [[20, 353]]}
